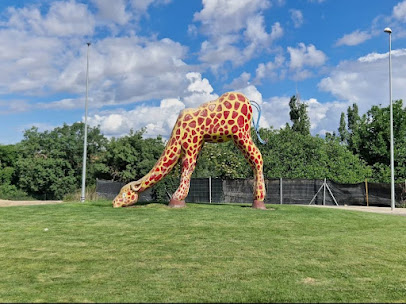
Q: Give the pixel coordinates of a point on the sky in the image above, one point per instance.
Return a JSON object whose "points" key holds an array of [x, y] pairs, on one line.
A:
{"points": [[149, 59]]}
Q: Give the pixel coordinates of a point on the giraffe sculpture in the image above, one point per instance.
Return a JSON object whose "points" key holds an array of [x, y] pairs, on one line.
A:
{"points": [[227, 118]]}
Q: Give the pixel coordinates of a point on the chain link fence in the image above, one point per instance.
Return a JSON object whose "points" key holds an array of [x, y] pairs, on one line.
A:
{"points": [[279, 191]]}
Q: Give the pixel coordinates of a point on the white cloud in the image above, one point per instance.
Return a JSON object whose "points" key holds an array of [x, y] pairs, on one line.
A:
{"points": [[377, 56], [48, 56], [116, 13], [276, 112], [35, 47], [118, 71], [197, 84], [297, 17], [399, 11], [302, 59], [241, 81], [64, 18], [215, 53], [198, 91], [276, 32], [270, 70], [305, 56], [141, 6], [158, 120], [365, 81], [235, 29], [355, 38], [220, 17]]}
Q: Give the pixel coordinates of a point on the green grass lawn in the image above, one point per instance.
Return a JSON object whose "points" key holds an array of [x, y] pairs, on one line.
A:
{"points": [[203, 253]]}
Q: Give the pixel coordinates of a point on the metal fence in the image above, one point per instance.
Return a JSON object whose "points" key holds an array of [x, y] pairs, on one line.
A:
{"points": [[279, 191]]}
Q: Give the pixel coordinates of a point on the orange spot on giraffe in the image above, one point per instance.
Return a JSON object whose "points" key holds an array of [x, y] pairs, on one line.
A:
{"points": [[240, 121], [244, 109], [240, 97]]}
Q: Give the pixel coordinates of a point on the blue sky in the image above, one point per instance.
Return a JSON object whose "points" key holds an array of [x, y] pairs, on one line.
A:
{"points": [[149, 59]]}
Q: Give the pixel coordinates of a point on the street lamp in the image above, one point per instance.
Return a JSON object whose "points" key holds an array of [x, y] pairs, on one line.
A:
{"points": [[392, 164], [82, 197]]}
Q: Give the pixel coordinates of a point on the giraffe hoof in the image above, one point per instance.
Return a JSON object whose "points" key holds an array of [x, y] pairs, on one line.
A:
{"points": [[258, 205], [174, 203]]}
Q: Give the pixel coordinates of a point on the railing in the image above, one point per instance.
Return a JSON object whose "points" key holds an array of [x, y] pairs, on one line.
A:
{"points": [[279, 191]]}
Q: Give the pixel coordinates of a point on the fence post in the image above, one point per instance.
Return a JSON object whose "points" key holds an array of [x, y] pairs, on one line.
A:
{"points": [[280, 191], [324, 192], [366, 192], [210, 189]]}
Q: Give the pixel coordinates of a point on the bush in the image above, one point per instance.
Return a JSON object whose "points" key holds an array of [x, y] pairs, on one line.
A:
{"points": [[11, 192], [90, 195]]}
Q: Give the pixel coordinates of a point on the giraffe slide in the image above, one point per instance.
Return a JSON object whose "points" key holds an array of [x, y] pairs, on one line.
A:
{"points": [[227, 118]]}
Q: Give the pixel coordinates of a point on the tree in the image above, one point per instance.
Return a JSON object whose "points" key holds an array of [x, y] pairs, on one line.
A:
{"points": [[342, 130], [8, 158], [354, 125], [46, 178], [223, 161], [290, 154], [131, 157], [298, 115], [369, 136], [56, 157]]}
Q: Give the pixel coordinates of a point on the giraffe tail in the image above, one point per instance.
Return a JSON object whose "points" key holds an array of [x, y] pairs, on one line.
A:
{"points": [[256, 123]]}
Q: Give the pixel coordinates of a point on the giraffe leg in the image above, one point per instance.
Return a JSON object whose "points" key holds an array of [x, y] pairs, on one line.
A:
{"points": [[178, 198], [252, 154]]}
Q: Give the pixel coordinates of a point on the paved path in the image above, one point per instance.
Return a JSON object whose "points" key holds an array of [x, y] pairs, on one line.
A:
{"points": [[7, 203], [385, 210]]}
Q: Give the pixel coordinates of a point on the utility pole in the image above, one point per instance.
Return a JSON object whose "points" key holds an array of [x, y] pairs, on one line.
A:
{"points": [[82, 197], [392, 163]]}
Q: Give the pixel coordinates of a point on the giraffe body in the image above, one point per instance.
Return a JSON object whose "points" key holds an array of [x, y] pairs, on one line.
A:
{"points": [[227, 118]]}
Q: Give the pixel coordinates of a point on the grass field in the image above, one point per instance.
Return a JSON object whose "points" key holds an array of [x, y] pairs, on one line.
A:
{"points": [[203, 253]]}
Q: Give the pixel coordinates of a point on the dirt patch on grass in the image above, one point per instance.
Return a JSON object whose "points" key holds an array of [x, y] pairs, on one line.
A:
{"points": [[7, 203]]}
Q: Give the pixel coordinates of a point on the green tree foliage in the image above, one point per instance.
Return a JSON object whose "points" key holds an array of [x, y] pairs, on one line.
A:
{"points": [[131, 157], [50, 162], [222, 161], [46, 178], [369, 136], [342, 129], [290, 154], [298, 116], [8, 158]]}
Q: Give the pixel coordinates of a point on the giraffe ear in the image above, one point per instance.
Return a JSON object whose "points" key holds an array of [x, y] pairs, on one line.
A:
{"points": [[135, 186]]}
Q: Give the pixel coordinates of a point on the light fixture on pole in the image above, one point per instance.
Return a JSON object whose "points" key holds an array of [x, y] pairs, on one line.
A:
{"points": [[392, 163], [82, 197]]}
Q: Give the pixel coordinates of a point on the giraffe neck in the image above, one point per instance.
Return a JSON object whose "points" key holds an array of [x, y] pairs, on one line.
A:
{"points": [[164, 164]]}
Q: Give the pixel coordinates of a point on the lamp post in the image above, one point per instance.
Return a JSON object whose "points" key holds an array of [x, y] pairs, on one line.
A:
{"points": [[392, 164], [82, 197]]}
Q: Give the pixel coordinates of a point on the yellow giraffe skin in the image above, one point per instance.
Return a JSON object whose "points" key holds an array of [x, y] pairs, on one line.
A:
{"points": [[227, 118]]}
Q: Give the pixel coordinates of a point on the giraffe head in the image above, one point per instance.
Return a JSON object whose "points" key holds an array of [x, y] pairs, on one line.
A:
{"points": [[128, 195]]}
